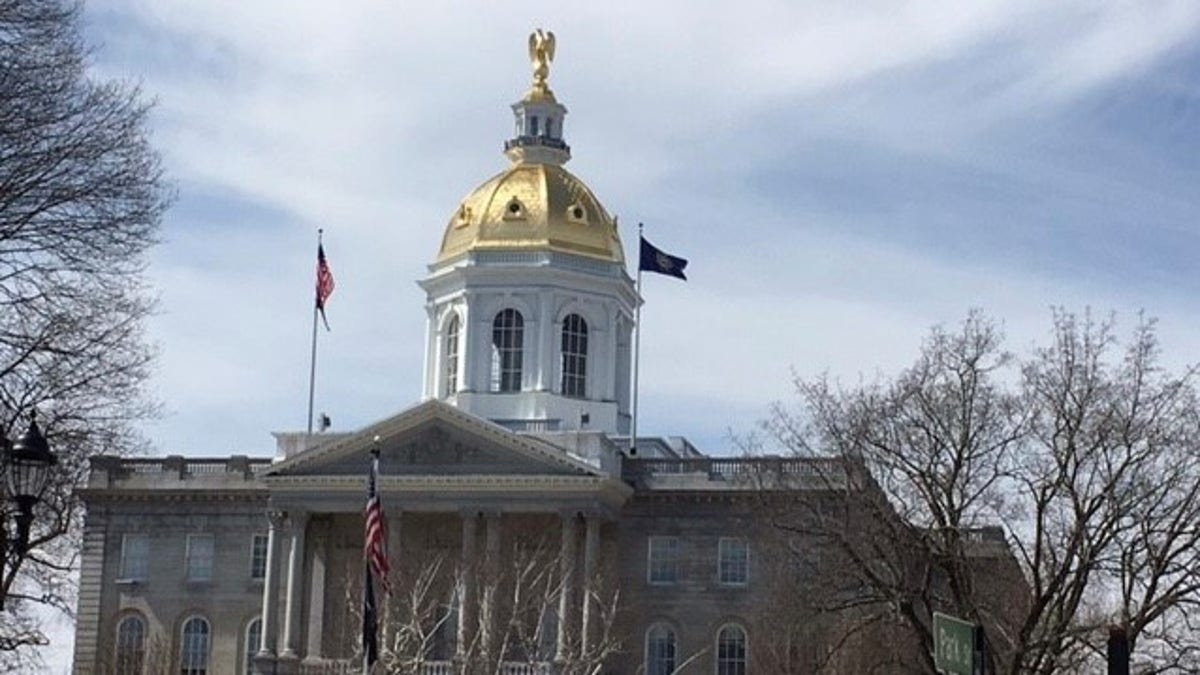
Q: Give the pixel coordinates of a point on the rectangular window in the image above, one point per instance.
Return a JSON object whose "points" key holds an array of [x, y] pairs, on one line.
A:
{"points": [[663, 560], [135, 556], [258, 557], [733, 561], [199, 557]]}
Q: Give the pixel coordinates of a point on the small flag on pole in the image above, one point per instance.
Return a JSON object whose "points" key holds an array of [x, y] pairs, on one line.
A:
{"points": [[377, 566], [653, 259], [324, 283]]}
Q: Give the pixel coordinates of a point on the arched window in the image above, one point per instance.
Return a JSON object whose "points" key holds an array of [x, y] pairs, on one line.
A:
{"points": [[508, 331], [660, 650], [193, 651], [131, 646], [451, 351], [731, 651], [574, 356], [253, 643]]}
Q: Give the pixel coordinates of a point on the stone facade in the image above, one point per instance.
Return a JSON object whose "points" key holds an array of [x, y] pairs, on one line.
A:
{"points": [[458, 490]]}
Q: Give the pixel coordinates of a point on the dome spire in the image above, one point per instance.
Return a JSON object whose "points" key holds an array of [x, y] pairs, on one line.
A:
{"points": [[539, 116]]}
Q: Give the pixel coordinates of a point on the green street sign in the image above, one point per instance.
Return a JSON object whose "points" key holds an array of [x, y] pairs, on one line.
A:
{"points": [[953, 645]]}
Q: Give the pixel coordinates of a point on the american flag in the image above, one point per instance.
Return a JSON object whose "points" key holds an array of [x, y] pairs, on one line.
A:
{"points": [[375, 554], [376, 532], [324, 283]]}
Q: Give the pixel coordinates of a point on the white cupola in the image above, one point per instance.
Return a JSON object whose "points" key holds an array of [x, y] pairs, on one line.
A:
{"points": [[530, 308]]}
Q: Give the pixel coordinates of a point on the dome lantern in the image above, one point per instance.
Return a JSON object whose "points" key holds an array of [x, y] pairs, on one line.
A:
{"points": [[539, 116]]}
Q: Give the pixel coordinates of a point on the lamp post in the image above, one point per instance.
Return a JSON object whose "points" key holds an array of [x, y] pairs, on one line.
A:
{"points": [[27, 464]]}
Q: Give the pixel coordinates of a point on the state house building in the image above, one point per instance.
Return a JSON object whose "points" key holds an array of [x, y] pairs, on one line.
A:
{"points": [[524, 537]]}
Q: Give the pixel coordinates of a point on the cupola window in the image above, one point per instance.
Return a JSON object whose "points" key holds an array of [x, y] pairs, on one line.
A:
{"points": [[574, 356], [508, 335], [451, 356], [549, 127], [533, 125]]}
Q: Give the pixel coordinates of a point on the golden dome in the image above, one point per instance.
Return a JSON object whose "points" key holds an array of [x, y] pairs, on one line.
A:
{"points": [[533, 207]]}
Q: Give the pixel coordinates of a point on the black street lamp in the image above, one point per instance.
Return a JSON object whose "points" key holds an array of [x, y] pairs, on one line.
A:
{"points": [[27, 468], [26, 464]]}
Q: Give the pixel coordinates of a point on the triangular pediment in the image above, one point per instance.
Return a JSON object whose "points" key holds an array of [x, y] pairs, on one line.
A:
{"points": [[434, 439]]}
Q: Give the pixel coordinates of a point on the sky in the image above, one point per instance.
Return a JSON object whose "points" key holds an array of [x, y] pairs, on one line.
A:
{"points": [[842, 176]]}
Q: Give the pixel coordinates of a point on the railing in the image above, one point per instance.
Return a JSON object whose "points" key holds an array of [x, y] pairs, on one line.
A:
{"points": [[339, 667], [527, 141], [178, 465], [350, 667], [727, 467]]}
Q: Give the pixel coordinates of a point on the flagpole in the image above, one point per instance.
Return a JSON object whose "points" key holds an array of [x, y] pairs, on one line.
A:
{"points": [[312, 368], [366, 580], [637, 350]]}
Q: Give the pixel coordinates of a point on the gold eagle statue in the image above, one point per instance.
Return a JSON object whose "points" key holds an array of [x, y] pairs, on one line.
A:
{"points": [[541, 53]]}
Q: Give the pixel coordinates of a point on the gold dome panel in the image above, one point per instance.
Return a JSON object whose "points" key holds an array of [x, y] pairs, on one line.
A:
{"points": [[533, 207]]}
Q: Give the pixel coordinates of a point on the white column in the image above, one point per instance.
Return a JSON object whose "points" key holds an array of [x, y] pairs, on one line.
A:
{"points": [[566, 562], [544, 351], [297, 523], [316, 590], [467, 601], [467, 331], [491, 577], [591, 553], [270, 605], [431, 354], [480, 345]]}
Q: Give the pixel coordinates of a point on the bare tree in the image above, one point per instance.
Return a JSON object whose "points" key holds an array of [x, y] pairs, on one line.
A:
{"points": [[81, 196], [518, 633], [1046, 497]]}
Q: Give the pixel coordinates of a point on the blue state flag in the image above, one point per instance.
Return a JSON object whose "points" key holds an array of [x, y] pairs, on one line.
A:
{"points": [[654, 260]]}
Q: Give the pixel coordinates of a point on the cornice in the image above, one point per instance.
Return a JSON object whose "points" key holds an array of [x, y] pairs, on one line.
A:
{"points": [[504, 482], [109, 495]]}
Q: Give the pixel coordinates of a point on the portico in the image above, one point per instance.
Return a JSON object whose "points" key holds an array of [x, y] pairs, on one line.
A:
{"points": [[472, 509]]}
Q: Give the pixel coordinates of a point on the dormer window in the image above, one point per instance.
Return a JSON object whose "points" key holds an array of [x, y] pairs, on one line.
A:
{"points": [[514, 210], [576, 213]]}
